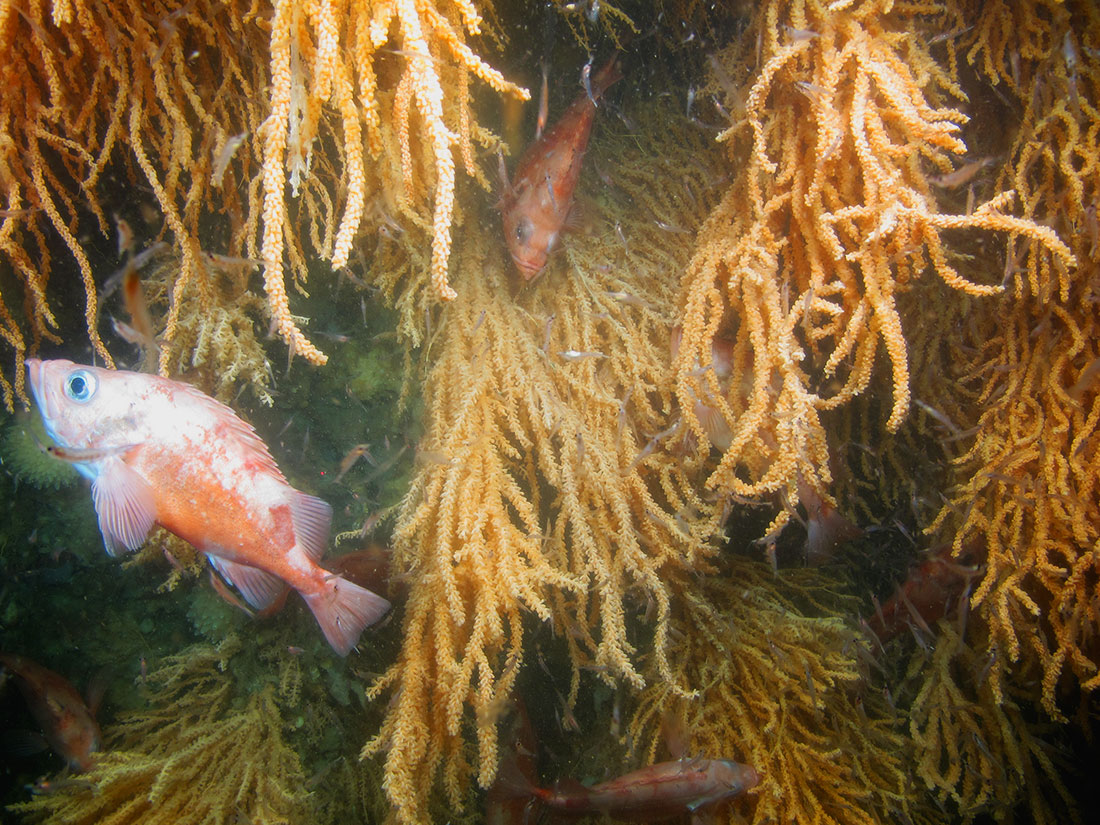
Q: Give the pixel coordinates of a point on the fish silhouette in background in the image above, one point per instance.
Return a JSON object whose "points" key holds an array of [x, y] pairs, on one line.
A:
{"points": [[661, 791], [68, 724]]}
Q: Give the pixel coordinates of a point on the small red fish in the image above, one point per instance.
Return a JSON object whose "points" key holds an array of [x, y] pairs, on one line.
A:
{"points": [[535, 207], [930, 590], [67, 723], [508, 798], [826, 527], [660, 791], [368, 567], [161, 452], [140, 319]]}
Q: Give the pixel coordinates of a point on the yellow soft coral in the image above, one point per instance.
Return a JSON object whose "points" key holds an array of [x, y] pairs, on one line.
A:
{"points": [[194, 98], [1026, 489], [190, 757], [323, 50], [780, 687], [549, 484], [830, 216]]}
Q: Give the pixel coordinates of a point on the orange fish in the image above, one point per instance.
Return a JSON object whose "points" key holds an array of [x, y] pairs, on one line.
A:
{"points": [[535, 206], [67, 723], [161, 452], [661, 791]]}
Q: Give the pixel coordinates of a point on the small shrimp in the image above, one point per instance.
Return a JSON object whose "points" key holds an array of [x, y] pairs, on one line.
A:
{"points": [[573, 355], [586, 81]]}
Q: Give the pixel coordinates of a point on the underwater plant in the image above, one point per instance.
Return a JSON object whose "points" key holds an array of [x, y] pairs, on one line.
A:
{"points": [[23, 455]]}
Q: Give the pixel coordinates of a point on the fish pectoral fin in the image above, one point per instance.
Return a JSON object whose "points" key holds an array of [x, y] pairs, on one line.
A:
{"points": [[96, 690], [125, 505], [506, 190], [583, 214], [22, 743], [312, 518], [259, 588]]}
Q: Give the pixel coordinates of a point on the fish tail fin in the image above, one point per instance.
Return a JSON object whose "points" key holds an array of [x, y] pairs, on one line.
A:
{"points": [[610, 73], [343, 610], [512, 782]]}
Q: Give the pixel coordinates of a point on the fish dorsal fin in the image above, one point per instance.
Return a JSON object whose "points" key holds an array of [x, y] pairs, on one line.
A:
{"points": [[96, 690], [312, 519], [22, 742], [571, 787], [233, 426], [506, 190], [125, 505], [260, 589]]}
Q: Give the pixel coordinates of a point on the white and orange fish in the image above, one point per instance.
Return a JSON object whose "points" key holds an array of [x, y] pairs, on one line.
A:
{"points": [[68, 724], [161, 452], [536, 205]]}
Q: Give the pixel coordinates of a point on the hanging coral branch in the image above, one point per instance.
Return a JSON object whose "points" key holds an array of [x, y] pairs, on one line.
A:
{"points": [[975, 746], [830, 216], [548, 484], [332, 51], [1027, 486], [179, 96], [781, 688]]}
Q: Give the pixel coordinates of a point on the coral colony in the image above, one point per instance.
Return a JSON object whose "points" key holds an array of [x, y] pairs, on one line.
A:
{"points": [[846, 271]]}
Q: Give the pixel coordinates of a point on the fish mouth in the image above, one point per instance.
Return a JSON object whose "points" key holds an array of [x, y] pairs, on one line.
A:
{"points": [[527, 269], [36, 372]]}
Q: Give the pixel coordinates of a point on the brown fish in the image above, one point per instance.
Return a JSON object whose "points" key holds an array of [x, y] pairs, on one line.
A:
{"points": [[67, 723], [660, 791], [537, 203]]}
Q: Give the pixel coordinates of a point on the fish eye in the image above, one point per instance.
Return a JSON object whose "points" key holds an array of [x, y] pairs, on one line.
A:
{"points": [[81, 385], [523, 230]]}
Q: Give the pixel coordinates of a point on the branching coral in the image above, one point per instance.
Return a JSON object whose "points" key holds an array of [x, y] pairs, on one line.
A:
{"points": [[176, 95], [191, 757], [1026, 488], [780, 687], [547, 485], [1027, 491], [973, 746], [828, 219], [94, 84], [334, 50], [587, 20], [216, 347]]}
